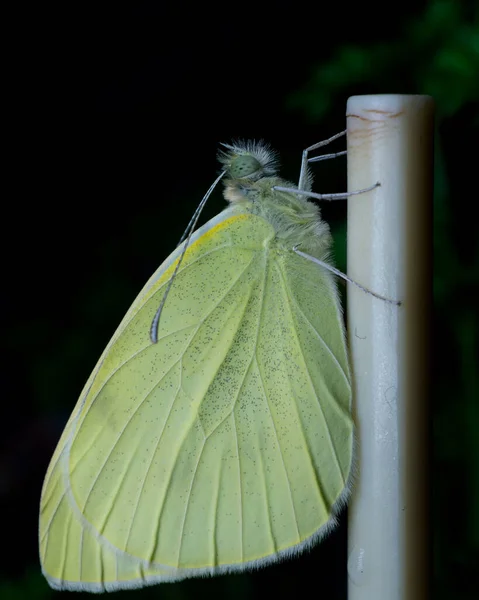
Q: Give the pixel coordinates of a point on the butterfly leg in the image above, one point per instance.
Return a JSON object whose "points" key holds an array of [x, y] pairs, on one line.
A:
{"points": [[303, 176], [339, 196], [343, 276]]}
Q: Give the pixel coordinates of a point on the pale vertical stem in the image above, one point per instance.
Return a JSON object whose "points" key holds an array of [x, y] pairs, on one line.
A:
{"points": [[390, 140]]}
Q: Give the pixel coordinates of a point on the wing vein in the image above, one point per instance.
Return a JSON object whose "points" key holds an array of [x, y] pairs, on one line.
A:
{"points": [[65, 545], [266, 498], [280, 451], [188, 502], [293, 300], [153, 457], [120, 434], [215, 525], [80, 568], [240, 484], [242, 381], [333, 448], [266, 395], [57, 506]]}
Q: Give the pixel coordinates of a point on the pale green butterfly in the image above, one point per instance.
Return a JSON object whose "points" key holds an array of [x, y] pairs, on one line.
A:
{"points": [[215, 433]]}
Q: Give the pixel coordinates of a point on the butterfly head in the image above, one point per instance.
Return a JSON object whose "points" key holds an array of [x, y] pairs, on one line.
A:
{"points": [[248, 160]]}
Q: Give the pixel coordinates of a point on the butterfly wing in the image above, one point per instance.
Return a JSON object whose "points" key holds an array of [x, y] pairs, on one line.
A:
{"points": [[226, 444]]}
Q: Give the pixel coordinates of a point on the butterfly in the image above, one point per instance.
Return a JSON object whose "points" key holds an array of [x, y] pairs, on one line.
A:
{"points": [[215, 433]]}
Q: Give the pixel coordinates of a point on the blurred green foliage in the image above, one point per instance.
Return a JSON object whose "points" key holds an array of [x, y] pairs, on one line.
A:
{"points": [[437, 54]]}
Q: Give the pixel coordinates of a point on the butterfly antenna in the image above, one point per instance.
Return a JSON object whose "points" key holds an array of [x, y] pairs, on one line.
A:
{"points": [[194, 219], [186, 236]]}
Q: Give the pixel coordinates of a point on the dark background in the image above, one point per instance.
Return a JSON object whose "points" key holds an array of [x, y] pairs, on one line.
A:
{"points": [[116, 120]]}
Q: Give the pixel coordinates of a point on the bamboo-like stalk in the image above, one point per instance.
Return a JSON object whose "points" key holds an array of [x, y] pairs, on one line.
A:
{"points": [[390, 140]]}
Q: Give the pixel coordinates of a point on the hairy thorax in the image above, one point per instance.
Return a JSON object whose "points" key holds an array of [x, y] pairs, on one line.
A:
{"points": [[295, 219]]}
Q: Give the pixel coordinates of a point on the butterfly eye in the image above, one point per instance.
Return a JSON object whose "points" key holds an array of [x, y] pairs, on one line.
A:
{"points": [[244, 166]]}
